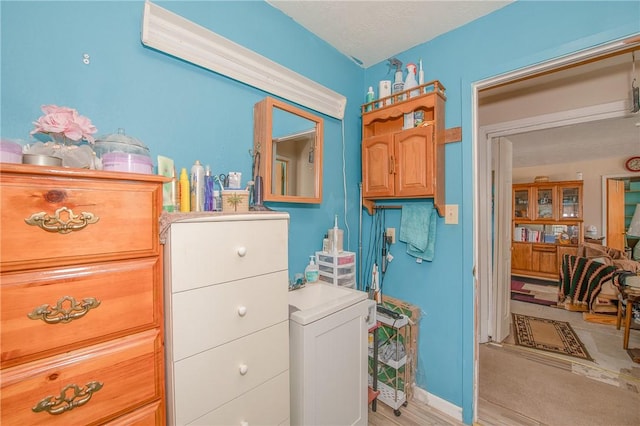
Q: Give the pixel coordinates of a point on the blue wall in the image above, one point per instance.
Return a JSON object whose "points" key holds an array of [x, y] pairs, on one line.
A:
{"points": [[518, 35], [187, 113]]}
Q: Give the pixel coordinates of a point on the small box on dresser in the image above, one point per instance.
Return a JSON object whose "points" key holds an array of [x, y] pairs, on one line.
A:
{"points": [[81, 297]]}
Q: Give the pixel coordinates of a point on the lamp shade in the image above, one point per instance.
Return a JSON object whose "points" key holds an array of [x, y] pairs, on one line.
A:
{"points": [[634, 226]]}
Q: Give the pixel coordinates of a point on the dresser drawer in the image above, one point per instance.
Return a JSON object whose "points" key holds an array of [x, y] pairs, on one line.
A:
{"points": [[110, 299], [226, 251], [268, 404], [125, 215], [233, 309], [209, 379], [104, 380], [149, 415]]}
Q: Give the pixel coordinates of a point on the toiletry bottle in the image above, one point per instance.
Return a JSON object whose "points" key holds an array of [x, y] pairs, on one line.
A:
{"points": [[185, 194], [197, 187], [384, 90], [335, 237], [217, 205], [370, 98], [421, 74], [208, 189], [326, 247], [410, 83], [311, 272], [175, 191]]}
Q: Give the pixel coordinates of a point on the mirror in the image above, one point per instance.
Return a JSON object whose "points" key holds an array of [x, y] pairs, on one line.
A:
{"points": [[289, 141]]}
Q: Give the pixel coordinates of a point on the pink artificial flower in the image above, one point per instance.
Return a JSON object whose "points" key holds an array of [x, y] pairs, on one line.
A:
{"points": [[65, 122]]}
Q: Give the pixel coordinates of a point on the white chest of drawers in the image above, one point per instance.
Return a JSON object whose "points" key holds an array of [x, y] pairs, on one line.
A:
{"points": [[227, 332]]}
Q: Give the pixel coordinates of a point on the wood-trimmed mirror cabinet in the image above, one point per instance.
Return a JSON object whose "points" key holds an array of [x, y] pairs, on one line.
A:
{"points": [[288, 141]]}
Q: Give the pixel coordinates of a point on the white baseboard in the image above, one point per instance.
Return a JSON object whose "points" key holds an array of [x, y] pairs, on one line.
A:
{"points": [[422, 396]]}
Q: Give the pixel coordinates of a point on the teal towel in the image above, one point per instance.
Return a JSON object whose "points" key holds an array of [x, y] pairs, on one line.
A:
{"points": [[418, 230]]}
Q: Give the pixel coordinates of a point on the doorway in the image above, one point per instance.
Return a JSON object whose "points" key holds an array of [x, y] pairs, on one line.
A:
{"points": [[494, 290]]}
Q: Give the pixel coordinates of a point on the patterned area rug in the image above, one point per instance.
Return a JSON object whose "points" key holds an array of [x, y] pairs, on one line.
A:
{"points": [[534, 291], [548, 335]]}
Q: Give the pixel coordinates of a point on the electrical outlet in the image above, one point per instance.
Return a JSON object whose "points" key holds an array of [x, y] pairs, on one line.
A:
{"points": [[391, 235], [451, 214]]}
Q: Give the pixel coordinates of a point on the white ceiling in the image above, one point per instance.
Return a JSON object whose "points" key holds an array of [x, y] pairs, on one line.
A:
{"points": [[371, 31]]}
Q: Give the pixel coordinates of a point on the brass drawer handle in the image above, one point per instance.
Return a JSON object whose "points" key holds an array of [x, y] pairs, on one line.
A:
{"points": [[70, 397], [63, 314], [59, 224]]}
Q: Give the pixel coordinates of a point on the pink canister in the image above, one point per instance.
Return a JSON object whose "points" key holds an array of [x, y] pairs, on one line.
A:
{"points": [[10, 151], [123, 162]]}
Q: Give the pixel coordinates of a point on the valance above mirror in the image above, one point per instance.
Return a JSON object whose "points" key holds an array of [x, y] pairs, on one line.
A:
{"points": [[289, 141]]}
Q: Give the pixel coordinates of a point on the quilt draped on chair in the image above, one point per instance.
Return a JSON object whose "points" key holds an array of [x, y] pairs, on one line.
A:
{"points": [[581, 280]]}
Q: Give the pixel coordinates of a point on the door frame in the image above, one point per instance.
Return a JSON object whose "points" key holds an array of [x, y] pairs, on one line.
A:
{"points": [[481, 158], [604, 198]]}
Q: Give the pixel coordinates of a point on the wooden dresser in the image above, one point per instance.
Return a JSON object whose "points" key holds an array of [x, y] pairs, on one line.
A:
{"points": [[81, 297], [226, 279]]}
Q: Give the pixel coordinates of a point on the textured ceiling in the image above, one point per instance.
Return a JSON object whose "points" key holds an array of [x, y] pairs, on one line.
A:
{"points": [[370, 32], [373, 31]]}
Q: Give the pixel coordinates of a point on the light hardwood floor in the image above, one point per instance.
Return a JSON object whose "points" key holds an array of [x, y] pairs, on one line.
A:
{"points": [[414, 414], [490, 414]]}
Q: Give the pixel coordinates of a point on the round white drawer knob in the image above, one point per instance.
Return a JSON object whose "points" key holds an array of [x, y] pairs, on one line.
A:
{"points": [[243, 369], [242, 251], [242, 310]]}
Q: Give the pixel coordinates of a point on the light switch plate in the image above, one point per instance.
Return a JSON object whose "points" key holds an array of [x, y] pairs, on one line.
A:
{"points": [[451, 214]]}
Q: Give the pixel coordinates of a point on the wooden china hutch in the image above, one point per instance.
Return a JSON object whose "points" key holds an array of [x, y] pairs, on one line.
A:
{"points": [[547, 223]]}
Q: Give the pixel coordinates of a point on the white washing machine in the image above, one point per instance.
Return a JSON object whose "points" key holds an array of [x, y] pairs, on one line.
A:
{"points": [[328, 355]]}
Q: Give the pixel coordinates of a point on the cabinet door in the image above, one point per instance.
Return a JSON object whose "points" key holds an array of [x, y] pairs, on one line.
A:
{"points": [[521, 257], [545, 203], [521, 202], [377, 166], [570, 202], [543, 259], [414, 162]]}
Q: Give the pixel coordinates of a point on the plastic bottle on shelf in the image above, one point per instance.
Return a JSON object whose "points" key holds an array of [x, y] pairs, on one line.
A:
{"points": [[370, 97], [209, 201], [197, 187], [411, 81], [398, 84], [185, 193], [311, 272]]}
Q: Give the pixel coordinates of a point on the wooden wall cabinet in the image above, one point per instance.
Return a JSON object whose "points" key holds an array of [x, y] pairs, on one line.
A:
{"points": [[81, 297], [402, 163], [547, 223]]}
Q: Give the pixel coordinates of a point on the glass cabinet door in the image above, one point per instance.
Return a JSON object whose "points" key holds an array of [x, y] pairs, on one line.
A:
{"points": [[544, 203], [521, 203], [570, 202]]}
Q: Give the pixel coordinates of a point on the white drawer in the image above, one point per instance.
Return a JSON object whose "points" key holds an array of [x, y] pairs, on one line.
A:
{"points": [[212, 378], [210, 316], [217, 252], [268, 404]]}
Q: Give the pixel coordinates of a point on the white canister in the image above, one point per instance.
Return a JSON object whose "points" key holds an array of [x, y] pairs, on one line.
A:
{"points": [[384, 89]]}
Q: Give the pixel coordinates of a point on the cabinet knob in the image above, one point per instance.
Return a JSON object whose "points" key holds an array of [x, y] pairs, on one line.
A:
{"points": [[242, 310], [243, 369], [242, 251]]}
